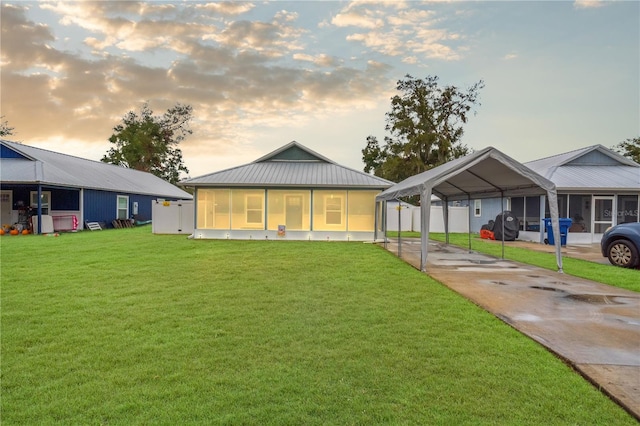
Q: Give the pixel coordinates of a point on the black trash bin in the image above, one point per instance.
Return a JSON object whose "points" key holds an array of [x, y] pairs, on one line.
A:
{"points": [[565, 223]]}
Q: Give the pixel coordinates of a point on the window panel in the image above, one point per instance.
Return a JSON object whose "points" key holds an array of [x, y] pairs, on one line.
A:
{"points": [[123, 207], [627, 208], [213, 209], [361, 210], [247, 209], [44, 200], [329, 210]]}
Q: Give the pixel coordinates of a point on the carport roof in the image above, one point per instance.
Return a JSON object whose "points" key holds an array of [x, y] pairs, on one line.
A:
{"points": [[487, 173]]}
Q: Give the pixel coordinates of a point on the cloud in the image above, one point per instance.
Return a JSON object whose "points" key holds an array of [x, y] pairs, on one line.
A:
{"points": [[321, 60], [394, 29], [589, 4], [240, 76]]}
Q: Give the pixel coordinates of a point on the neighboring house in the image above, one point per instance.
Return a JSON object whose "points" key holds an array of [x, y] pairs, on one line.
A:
{"points": [[292, 193], [597, 188], [40, 184]]}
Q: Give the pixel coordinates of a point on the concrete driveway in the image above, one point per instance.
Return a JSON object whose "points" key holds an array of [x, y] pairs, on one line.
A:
{"points": [[592, 326]]}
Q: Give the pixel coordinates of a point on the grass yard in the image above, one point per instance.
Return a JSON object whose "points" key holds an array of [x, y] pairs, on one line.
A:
{"points": [[126, 327]]}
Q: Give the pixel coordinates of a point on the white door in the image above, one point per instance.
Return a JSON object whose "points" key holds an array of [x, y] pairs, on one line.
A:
{"points": [[603, 214], [6, 202]]}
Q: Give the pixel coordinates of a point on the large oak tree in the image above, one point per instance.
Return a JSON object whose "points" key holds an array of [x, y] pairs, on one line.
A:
{"points": [[425, 125], [150, 143]]}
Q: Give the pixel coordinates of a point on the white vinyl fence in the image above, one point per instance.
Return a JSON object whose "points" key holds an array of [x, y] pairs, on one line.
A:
{"points": [[409, 219]]}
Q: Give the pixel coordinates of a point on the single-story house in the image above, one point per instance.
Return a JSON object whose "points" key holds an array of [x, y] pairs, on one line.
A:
{"points": [[597, 188], [38, 184], [291, 193]]}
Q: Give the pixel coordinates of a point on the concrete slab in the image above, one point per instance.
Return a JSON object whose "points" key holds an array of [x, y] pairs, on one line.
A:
{"points": [[593, 327]]}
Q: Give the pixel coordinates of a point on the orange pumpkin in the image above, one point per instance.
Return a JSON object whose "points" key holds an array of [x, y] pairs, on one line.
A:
{"points": [[25, 232], [14, 232], [1, 231]]}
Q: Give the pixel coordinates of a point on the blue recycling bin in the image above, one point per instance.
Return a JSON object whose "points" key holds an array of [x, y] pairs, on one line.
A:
{"points": [[565, 223]]}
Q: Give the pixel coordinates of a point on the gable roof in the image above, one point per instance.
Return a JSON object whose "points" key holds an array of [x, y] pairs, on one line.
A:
{"points": [[292, 165], [24, 164], [487, 173], [594, 168]]}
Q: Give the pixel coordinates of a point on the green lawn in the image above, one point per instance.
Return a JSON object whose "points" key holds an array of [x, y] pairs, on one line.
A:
{"points": [[126, 327]]}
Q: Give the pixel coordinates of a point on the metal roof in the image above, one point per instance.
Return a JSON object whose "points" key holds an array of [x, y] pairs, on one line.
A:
{"points": [[292, 165], [594, 168], [40, 166]]}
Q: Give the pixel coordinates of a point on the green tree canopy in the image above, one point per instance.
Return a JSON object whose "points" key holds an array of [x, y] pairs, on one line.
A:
{"points": [[425, 125], [150, 143], [630, 148]]}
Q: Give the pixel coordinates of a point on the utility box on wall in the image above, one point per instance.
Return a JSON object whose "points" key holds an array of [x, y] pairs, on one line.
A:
{"points": [[172, 217]]}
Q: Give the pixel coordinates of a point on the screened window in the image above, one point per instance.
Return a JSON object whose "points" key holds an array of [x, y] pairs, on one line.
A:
{"points": [[627, 208], [123, 207], [247, 209], [361, 210], [580, 213], [532, 213], [329, 210], [517, 208], [213, 209]]}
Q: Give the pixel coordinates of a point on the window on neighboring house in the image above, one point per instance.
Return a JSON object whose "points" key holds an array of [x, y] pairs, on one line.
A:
{"points": [[45, 200], [477, 208], [123, 207]]}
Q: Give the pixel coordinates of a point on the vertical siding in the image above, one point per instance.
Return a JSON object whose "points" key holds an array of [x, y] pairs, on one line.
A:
{"points": [[100, 206]]}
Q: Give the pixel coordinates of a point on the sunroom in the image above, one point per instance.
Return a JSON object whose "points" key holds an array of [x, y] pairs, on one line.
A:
{"points": [[292, 193]]}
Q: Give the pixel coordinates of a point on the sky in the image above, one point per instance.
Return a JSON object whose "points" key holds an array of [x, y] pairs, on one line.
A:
{"points": [[559, 75]]}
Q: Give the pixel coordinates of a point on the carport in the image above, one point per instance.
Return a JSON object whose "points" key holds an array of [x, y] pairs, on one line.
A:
{"points": [[487, 173]]}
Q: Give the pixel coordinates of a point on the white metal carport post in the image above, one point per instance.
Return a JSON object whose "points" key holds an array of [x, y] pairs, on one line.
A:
{"points": [[425, 211], [555, 225]]}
